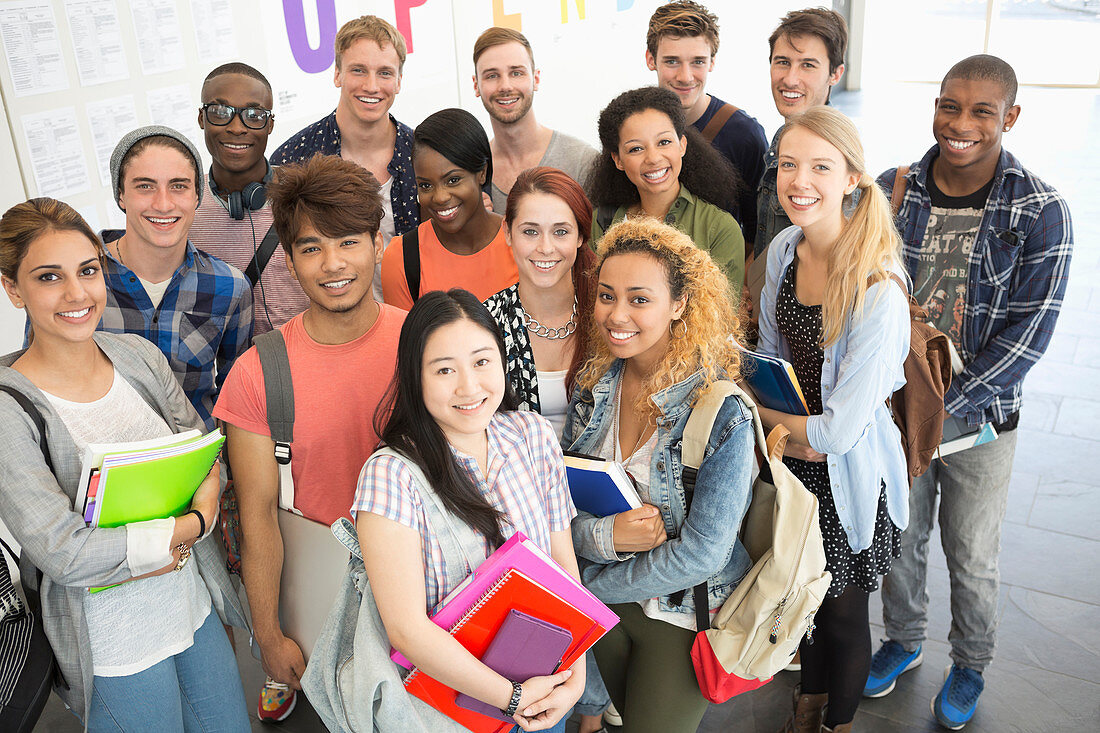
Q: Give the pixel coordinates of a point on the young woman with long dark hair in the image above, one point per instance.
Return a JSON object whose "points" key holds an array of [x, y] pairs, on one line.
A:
{"points": [[495, 470], [461, 243], [830, 307]]}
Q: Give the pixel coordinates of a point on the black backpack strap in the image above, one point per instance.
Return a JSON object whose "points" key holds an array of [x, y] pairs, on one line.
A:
{"points": [[278, 390], [262, 257], [410, 254], [699, 592]]}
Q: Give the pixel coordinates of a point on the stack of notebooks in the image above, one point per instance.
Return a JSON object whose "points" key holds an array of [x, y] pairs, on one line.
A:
{"points": [[149, 479], [600, 487], [774, 383], [522, 615]]}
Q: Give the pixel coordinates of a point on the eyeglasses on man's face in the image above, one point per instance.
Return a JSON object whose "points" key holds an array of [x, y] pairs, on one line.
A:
{"points": [[254, 118]]}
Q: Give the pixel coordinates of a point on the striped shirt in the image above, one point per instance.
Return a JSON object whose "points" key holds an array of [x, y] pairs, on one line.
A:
{"points": [[525, 481], [202, 324], [277, 297], [1016, 279]]}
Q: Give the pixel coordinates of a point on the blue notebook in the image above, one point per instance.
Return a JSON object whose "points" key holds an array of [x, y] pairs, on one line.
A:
{"points": [[774, 383], [600, 487]]}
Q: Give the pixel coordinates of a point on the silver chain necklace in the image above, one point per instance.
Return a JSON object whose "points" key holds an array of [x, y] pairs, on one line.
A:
{"points": [[553, 334]]}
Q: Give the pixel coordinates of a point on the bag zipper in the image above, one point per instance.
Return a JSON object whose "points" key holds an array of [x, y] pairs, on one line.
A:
{"points": [[773, 637]]}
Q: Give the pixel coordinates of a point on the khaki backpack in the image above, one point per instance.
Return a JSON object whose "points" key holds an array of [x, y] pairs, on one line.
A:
{"points": [[758, 629]]}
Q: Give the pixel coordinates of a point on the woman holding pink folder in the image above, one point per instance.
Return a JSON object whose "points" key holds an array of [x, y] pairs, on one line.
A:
{"points": [[147, 655], [496, 470]]}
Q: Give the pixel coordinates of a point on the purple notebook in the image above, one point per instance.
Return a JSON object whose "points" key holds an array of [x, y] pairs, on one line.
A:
{"points": [[524, 647]]}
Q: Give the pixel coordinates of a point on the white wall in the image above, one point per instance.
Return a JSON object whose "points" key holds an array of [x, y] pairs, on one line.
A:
{"points": [[586, 60]]}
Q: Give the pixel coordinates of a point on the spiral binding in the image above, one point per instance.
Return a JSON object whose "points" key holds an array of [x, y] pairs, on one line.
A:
{"points": [[468, 615]]}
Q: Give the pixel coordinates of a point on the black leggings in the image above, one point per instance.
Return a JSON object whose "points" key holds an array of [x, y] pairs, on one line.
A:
{"points": [[840, 657]]}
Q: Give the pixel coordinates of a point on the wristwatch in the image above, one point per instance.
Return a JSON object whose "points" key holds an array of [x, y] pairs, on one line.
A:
{"points": [[513, 704]]}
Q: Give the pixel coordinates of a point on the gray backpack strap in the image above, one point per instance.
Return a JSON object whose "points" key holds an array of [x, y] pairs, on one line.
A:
{"points": [[279, 394], [461, 541]]}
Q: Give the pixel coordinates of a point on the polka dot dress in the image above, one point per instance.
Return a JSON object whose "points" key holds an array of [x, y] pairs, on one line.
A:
{"points": [[800, 325]]}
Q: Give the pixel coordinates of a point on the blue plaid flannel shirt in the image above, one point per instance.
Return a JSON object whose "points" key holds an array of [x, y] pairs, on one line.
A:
{"points": [[1015, 282], [203, 323]]}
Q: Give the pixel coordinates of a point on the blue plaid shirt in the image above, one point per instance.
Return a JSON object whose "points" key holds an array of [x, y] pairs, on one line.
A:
{"points": [[323, 137], [1016, 280], [203, 322]]}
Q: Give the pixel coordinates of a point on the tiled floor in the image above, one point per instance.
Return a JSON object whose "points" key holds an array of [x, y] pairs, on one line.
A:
{"points": [[1046, 676]]}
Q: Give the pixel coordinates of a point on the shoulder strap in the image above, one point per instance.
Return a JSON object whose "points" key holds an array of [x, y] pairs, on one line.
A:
{"points": [[410, 254], [898, 194], [279, 395], [471, 547], [701, 422], [710, 131], [262, 256], [36, 417]]}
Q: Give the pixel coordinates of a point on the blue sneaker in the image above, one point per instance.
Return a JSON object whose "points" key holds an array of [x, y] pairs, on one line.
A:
{"points": [[887, 665], [958, 698]]}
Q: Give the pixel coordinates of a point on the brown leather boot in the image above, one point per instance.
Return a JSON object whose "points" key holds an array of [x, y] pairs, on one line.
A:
{"points": [[842, 728], [808, 713]]}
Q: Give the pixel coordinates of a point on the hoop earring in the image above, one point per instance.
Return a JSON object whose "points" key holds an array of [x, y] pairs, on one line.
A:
{"points": [[672, 333]]}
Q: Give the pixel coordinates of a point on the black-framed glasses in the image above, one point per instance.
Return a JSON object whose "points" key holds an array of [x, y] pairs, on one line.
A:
{"points": [[254, 118]]}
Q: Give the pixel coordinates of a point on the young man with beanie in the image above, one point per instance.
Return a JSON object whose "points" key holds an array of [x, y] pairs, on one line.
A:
{"points": [[194, 307], [986, 232], [233, 221]]}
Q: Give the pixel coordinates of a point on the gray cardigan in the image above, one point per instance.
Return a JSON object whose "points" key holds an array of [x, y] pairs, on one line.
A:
{"points": [[37, 508]]}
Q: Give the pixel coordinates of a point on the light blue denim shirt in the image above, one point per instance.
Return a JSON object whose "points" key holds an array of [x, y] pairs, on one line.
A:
{"points": [[861, 370], [702, 543]]}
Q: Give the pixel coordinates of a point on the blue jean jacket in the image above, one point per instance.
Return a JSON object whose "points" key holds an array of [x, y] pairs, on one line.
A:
{"points": [[702, 543]]}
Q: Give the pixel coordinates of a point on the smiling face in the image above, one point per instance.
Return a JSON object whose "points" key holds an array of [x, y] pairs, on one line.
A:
{"points": [[159, 197], [682, 65], [369, 78], [971, 115], [336, 273], [462, 378], [60, 284], [813, 179], [544, 238], [506, 82], [800, 74], [650, 152], [450, 194], [634, 307], [236, 149]]}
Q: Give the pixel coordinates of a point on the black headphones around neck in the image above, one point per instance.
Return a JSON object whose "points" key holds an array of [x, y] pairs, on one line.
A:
{"points": [[251, 198]]}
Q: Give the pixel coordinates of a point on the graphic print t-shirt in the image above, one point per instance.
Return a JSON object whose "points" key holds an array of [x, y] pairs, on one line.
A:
{"points": [[940, 282]]}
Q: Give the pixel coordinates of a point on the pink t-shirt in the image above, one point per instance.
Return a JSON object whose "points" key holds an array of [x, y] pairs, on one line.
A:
{"points": [[336, 391]]}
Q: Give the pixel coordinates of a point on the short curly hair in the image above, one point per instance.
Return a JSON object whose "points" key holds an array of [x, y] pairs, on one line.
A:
{"points": [[709, 316], [705, 172]]}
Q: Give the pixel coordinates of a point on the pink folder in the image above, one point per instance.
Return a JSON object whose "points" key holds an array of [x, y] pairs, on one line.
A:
{"points": [[521, 553]]}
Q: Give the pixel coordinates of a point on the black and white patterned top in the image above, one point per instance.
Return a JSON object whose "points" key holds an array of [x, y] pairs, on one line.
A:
{"points": [[520, 369]]}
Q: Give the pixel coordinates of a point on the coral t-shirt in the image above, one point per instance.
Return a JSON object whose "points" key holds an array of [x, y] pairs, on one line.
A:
{"points": [[484, 273], [336, 390]]}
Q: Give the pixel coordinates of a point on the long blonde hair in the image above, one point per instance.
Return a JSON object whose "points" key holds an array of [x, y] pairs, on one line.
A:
{"points": [[709, 318], [869, 245]]}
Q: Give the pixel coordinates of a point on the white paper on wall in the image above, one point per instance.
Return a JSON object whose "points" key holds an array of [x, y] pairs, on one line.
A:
{"points": [[33, 49], [159, 36], [173, 106], [213, 24], [97, 41], [56, 153], [109, 120]]}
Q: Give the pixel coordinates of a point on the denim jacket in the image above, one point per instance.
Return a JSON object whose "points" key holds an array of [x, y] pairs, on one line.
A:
{"points": [[862, 369], [702, 543]]}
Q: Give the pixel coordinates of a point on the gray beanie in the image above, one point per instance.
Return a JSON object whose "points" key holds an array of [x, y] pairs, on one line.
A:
{"points": [[131, 139]]}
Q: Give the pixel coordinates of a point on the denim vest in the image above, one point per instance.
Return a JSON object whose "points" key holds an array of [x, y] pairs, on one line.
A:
{"points": [[702, 543]]}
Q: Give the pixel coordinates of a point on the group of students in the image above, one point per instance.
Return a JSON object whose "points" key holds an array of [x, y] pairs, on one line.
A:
{"points": [[436, 289]]}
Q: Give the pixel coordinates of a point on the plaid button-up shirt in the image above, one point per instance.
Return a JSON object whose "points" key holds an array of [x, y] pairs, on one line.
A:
{"points": [[203, 322], [1016, 280], [323, 137]]}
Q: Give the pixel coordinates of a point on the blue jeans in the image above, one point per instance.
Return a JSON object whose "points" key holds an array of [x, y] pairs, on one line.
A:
{"points": [[559, 728], [973, 490], [197, 690]]}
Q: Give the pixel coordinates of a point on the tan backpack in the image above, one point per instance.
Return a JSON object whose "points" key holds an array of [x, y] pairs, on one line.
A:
{"points": [[759, 627]]}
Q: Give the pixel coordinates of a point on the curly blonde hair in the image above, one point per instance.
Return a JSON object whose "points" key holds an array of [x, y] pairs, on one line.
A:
{"points": [[709, 316]]}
